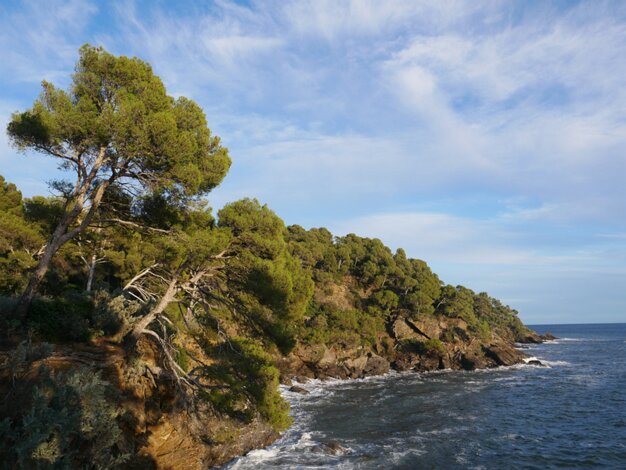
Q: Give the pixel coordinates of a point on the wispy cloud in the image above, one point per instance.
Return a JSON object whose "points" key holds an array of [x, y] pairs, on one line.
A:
{"points": [[39, 40]]}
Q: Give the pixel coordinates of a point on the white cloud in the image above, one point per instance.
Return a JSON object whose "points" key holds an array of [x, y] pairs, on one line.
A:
{"points": [[443, 238], [39, 41]]}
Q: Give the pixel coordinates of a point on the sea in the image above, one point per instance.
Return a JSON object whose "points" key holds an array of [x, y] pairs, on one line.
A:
{"points": [[569, 414]]}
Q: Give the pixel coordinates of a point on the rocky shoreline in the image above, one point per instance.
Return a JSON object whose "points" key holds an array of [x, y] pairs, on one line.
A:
{"points": [[466, 353]]}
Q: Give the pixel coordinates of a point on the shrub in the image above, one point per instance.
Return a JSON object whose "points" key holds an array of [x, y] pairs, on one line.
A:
{"points": [[70, 424], [20, 359], [113, 315], [62, 318], [429, 347], [248, 382]]}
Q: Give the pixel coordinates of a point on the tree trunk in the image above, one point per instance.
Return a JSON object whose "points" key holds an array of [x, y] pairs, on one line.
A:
{"points": [[34, 282], [158, 309], [92, 271], [61, 235]]}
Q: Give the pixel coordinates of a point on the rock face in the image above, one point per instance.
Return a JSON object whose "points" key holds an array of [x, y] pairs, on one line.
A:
{"points": [[402, 330], [428, 344], [503, 354], [158, 431], [534, 338], [324, 363]]}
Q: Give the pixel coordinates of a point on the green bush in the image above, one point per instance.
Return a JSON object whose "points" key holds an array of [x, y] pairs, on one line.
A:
{"points": [[330, 326], [113, 315], [246, 383], [429, 347], [71, 424], [62, 318]]}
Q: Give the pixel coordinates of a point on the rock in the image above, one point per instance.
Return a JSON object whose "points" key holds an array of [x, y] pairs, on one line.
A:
{"points": [[333, 448], [426, 365], [401, 330], [375, 365], [503, 354], [548, 337], [532, 339], [427, 326], [461, 334], [468, 363], [328, 357], [356, 366], [300, 390], [535, 362], [404, 362]]}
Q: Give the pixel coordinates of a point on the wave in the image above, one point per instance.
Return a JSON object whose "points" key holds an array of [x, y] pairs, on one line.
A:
{"points": [[545, 362]]}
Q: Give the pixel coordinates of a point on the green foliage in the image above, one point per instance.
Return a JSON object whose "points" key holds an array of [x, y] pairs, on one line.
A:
{"points": [[20, 359], [182, 359], [112, 315], [433, 347], [71, 423], [499, 317], [78, 317], [19, 240], [266, 280], [331, 326], [397, 282], [119, 104], [62, 319], [122, 135], [248, 375]]}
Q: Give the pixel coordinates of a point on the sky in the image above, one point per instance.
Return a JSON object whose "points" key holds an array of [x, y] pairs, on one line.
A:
{"points": [[487, 138]]}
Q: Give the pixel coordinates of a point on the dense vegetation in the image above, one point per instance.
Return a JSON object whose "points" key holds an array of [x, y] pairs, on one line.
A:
{"points": [[129, 251]]}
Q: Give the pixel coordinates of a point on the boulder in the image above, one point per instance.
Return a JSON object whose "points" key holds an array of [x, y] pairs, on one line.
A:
{"points": [[401, 330], [503, 354], [356, 365], [427, 327], [300, 390], [429, 363], [332, 448], [468, 362], [328, 357], [375, 365], [535, 362]]}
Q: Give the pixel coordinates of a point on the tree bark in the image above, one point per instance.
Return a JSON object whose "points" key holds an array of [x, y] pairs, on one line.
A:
{"points": [[62, 234], [158, 309], [92, 271], [34, 282]]}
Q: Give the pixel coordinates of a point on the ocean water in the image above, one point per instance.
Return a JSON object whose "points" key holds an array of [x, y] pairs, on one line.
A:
{"points": [[571, 414]]}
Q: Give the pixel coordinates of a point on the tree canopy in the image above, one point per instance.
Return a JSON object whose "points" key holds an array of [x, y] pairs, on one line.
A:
{"points": [[116, 129]]}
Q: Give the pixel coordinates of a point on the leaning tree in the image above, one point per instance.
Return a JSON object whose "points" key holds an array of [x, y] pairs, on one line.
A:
{"points": [[115, 127]]}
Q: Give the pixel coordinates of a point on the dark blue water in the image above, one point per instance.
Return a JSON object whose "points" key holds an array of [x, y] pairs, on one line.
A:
{"points": [[571, 414]]}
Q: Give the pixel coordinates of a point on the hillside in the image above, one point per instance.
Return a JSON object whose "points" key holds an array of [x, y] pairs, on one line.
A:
{"points": [[138, 329], [201, 388]]}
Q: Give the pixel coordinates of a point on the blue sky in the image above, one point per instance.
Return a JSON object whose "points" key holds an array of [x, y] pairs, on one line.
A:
{"points": [[487, 138]]}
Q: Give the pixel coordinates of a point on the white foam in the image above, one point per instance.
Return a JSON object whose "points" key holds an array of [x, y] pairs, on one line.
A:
{"points": [[545, 362], [257, 456], [531, 358], [556, 363]]}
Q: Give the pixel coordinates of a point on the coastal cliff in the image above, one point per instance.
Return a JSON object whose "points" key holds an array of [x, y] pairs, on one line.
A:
{"points": [[159, 425]]}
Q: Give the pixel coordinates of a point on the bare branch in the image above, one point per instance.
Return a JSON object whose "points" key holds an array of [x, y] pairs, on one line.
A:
{"points": [[139, 276], [135, 225]]}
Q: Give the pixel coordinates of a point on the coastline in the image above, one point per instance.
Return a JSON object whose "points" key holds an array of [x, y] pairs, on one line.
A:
{"points": [[297, 388], [301, 437]]}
